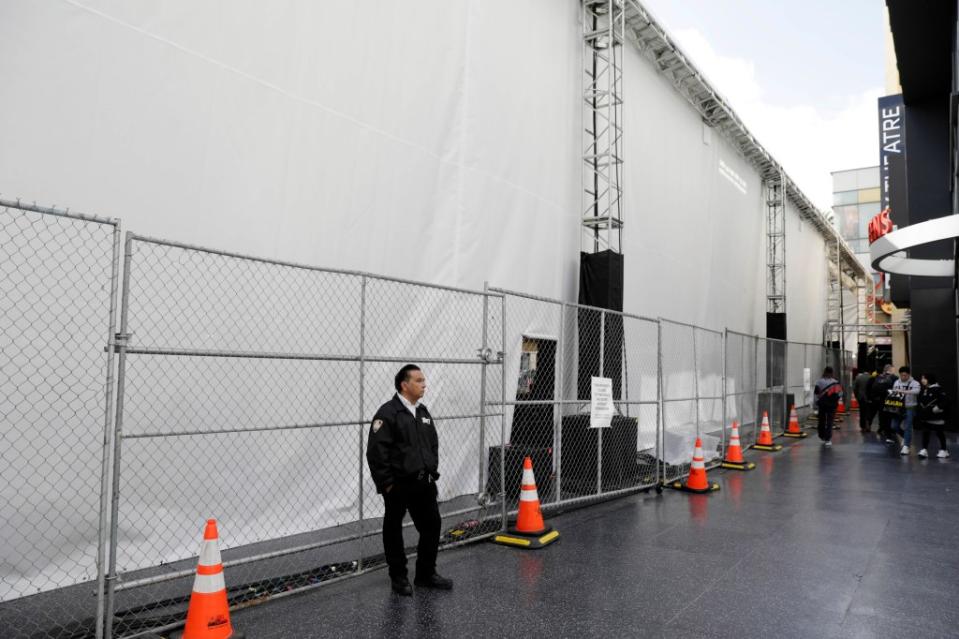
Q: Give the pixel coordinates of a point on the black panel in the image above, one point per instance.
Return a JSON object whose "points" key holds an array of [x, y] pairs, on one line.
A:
{"points": [[933, 346], [776, 325], [580, 445], [600, 285]]}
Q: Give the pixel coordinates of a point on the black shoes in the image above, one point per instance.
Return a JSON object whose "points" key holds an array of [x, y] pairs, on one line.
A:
{"points": [[402, 587], [434, 581]]}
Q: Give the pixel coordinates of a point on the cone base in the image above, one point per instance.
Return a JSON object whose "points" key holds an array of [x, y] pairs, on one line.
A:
{"points": [[743, 465], [522, 540], [179, 635], [799, 435], [775, 448], [678, 485]]}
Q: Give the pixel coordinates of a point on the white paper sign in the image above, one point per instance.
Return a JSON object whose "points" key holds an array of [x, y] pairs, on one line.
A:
{"points": [[601, 405], [806, 380]]}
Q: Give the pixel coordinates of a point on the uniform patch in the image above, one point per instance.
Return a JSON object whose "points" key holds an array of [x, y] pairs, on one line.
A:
{"points": [[377, 424], [426, 420]]}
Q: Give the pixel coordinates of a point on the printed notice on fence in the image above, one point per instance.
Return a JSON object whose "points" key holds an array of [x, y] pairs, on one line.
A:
{"points": [[601, 409], [806, 380]]}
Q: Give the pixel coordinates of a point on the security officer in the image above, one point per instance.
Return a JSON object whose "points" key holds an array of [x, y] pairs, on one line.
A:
{"points": [[403, 456]]}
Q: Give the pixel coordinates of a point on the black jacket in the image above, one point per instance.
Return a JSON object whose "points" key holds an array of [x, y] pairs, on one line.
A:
{"points": [[931, 397], [400, 447]]}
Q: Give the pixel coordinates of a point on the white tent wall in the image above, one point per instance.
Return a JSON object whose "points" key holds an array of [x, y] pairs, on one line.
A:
{"points": [[806, 282], [436, 141]]}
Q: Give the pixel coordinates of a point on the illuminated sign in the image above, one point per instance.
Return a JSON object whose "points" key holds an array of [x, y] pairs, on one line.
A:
{"points": [[879, 226]]}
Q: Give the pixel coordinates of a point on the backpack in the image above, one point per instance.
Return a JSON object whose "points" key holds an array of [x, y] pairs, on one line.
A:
{"points": [[881, 387], [829, 397]]}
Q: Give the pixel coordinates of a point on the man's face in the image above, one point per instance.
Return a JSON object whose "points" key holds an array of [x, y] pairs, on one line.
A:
{"points": [[904, 377], [415, 385]]}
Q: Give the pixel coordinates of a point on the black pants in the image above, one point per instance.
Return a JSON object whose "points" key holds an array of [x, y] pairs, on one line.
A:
{"points": [[885, 424], [826, 418], [926, 435], [419, 498], [865, 415]]}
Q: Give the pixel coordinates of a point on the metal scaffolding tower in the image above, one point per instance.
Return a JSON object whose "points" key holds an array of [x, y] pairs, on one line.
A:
{"points": [[775, 244], [603, 36]]}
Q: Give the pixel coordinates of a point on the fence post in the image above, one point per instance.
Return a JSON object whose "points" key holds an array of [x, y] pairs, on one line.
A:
{"points": [[362, 420], [599, 433], [696, 381], [661, 407], [502, 426], [484, 355], [560, 395], [121, 340], [107, 439], [722, 424]]}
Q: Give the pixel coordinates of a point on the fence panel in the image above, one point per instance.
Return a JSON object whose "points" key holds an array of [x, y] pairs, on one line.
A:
{"points": [[741, 389], [554, 349], [246, 391], [57, 302]]}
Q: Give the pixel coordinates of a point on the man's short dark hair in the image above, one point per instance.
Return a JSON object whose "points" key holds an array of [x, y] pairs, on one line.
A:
{"points": [[826, 372], [403, 375], [904, 369], [931, 377]]}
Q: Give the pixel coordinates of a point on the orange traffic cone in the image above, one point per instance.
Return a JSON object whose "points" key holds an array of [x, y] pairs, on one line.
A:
{"points": [[734, 452], [208, 616], [696, 482], [529, 530], [794, 430], [854, 404], [765, 441], [841, 408]]}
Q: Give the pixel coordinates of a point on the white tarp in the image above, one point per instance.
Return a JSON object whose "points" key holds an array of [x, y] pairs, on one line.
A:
{"points": [[437, 140]]}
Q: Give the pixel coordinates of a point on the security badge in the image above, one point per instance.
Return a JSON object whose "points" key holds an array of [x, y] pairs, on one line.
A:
{"points": [[426, 420], [377, 423]]}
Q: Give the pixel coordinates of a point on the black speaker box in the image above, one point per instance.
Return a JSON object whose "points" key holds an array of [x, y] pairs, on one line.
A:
{"points": [[542, 468], [580, 445]]}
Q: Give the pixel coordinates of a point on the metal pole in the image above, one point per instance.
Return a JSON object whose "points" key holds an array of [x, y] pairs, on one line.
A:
{"points": [[560, 395], [661, 414], [599, 434], [696, 381], [723, 418], [502, 426], [362, 418], [107, 438], [484, 355], [785, 411], [122, 338]]}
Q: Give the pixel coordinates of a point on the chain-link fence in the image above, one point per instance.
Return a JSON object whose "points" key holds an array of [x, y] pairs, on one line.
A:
{"points": [[553, 350], [244, 391], [246, 388], [57, 298]]}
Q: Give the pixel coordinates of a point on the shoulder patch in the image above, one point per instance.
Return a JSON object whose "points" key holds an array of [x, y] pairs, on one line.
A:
{"points": [[377, 424]]}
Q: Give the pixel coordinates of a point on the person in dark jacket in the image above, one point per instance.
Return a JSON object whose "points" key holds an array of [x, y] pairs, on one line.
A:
{"points": [[403, 455], [877, 397], [860, 388], [828, 392], [933, 408]]}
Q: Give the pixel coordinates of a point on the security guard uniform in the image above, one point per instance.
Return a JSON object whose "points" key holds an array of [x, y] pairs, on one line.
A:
{"points": [[402, 452]]}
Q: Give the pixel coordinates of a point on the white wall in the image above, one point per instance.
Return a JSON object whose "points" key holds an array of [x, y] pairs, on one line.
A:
{"points": [[437, 140]]}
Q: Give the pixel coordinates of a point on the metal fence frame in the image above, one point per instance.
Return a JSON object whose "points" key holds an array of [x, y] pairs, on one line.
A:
{"points": [[494, 505]]}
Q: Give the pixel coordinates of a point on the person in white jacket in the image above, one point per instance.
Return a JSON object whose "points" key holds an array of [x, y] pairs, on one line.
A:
{"points": [[907, 389]]}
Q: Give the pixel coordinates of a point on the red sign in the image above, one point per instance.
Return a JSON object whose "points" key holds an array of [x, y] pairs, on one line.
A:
{"points": [[879, 226]]}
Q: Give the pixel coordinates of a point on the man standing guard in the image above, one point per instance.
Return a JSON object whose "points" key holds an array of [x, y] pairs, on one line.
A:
{"points": [[403, 454]]}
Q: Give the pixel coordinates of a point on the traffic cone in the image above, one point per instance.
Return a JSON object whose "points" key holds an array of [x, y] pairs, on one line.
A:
{"points": [[841, 409], [765, 441], [854, 404], [794, 430], [529, 529], [734, 452], [208, 616], [696, 482]]}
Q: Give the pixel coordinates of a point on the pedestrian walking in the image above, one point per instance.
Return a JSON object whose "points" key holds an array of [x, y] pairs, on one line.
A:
{"points": [[932, 410], [860, 389], [878, 393], [828, 392], [403, 455], [903, 397]]}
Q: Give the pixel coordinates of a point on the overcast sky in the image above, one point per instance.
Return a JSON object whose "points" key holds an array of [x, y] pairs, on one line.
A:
{"points": [[803, 76]]}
